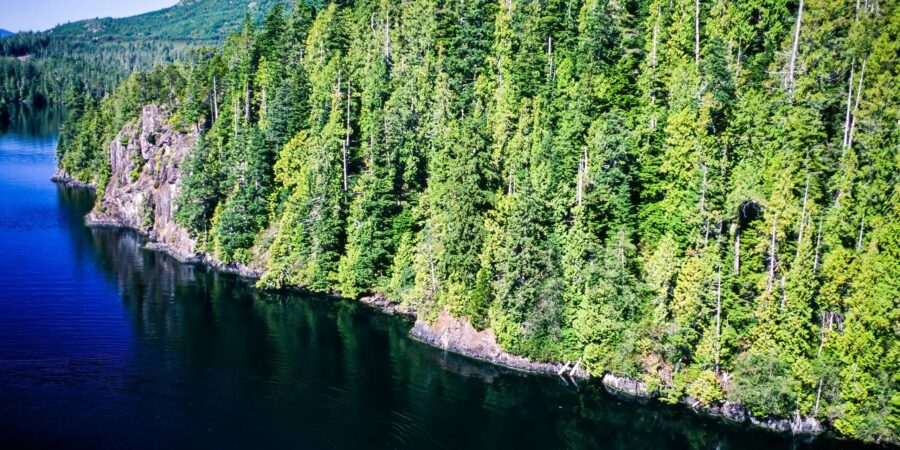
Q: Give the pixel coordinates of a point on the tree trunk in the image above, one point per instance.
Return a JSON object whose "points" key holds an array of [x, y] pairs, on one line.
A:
{"points": [[582, 178], [703, 208], [247, 101], [652, 60], [847, 114], [793, 63], [215, 99], [575, 368], [737, 248], [818, 397], [550, 58], [347, 136], [387, 37], [718, 316], [862, 74], [237, 108], [771, 279]]}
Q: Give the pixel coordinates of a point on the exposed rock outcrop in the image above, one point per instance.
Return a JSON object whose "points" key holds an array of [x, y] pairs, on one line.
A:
{"points": [[627, 386], [145, 161], [387, 306], [459, 336], [794, 425], [63, 178]]}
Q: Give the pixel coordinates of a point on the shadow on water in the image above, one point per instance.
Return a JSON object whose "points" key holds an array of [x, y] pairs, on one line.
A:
{"points": [[31, 121], [283, 369], [146, 352]]}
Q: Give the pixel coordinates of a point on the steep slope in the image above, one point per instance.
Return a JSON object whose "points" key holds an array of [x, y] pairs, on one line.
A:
{"points": [[95, 55], [145, 164], [202, 21], [669, 203]]}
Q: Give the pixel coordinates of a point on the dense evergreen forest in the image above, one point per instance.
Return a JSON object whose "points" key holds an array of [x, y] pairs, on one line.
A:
{"points": [[96, 55], [698, 194]]}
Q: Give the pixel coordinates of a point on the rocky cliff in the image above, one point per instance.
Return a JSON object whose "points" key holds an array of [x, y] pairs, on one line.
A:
{"points": [[145, 162]]}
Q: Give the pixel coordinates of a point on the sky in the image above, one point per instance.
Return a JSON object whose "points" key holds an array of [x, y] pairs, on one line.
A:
{"points": [[38, 15]]}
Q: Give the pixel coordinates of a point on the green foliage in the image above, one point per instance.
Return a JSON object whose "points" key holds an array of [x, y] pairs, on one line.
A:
{"points": [[705, 388], [581, 178], [763, 383]]}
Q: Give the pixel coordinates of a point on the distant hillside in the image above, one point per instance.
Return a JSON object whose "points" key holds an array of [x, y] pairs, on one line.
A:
{"points": [[5, 32], [189, 20], [95, 55]]}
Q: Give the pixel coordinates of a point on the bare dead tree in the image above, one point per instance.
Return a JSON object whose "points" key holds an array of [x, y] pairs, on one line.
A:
{"points": [[796, 46]]}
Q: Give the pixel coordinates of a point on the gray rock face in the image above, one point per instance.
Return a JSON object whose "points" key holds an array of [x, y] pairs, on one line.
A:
{"points": [[145, 160], [794, 425], [459, 336], [626, 385], [737, 413], [387, 306], [733, 411]]}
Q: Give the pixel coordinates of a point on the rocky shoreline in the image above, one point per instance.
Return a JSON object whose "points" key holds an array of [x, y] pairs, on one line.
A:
{"points": [[460, 337], [145, 179], [62, 178]]}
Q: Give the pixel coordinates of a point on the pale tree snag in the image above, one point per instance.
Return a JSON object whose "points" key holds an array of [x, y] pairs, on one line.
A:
{"points": [[847, 114], [737, 247], [550, 58], [771, 278], [652, 60], [582, 178], [718, 315], [703, 207], [578, 184], [793, 62], [387, 37], [215, 100], [247, 100], [575, 368], [818, 397], [862, 74], [347, 137]]}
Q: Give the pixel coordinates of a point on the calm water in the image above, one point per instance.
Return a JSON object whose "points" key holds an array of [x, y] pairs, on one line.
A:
{"points": [[106, 345]]}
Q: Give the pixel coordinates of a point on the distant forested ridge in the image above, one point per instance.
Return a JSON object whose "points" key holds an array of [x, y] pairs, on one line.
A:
{"points": [[98, 54], [698, 194], [5, 32]]}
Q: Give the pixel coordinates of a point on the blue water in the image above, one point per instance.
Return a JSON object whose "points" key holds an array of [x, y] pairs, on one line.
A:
{"points": [[106, 345]]}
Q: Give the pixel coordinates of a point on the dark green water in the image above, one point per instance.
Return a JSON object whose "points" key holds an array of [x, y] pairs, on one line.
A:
{"points": [[106, 345]]}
